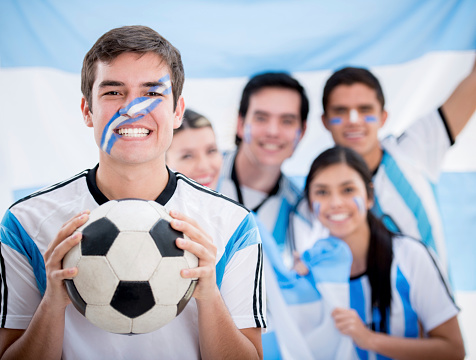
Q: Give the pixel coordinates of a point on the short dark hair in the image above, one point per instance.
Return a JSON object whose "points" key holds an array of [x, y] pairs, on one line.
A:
{"points": [[350, 76], [193, 120], [380, 252], [272, 80], [136, 39]]}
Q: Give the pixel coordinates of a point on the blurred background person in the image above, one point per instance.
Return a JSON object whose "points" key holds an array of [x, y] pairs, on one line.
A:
{"points": [[194, 151]]}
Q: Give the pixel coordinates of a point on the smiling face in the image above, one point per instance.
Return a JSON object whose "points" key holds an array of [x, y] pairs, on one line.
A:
{"points": [[272, 127], [340, 201], [353, 116], [195, 154], [133, 114]]}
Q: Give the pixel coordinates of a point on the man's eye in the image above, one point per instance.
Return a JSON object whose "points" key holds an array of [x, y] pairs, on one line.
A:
{"points": [[112, 93], [349, 190], [153, 93]]}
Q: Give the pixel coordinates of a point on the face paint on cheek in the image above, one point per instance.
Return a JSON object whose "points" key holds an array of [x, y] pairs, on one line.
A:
{"points": [[359, 201], [134, 111], [335, 121], [316, 208], [297, 137], [353, 116], [247, 133], [370, 119]]}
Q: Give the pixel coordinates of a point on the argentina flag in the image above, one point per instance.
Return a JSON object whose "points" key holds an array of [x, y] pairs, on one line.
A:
{"points": [[420, 51]]}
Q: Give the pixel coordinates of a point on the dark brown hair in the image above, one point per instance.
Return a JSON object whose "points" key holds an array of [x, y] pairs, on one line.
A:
{"points": [[137, 39]]}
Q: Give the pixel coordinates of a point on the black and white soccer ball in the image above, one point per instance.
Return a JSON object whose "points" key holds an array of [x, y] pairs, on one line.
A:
{"points": [[128, 279]]}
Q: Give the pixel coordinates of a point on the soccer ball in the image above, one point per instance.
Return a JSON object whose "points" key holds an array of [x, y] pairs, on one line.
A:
{"points": [[128, 279]]}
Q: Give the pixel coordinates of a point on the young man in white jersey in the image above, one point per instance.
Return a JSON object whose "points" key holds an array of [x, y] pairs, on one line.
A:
{"points": [[271, 122], [132, 80], [405, 168]]}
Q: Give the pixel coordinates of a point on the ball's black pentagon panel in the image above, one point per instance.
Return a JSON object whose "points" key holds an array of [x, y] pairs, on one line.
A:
{"points": [[75, 297], [188, 295], [164, 237], [98, 237], [133, 298]]}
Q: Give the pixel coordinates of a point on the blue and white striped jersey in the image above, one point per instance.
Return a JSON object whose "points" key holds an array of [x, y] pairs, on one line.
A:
{"points": [[420, 294], [33, 222]]}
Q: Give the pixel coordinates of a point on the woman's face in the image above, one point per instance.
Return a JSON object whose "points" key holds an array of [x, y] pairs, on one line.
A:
{"points": [[339, 200], [194, 153]]}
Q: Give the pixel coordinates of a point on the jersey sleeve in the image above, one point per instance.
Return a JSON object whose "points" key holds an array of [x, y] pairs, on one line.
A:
{"points": [[242, 286], [22, 275], [430, 295], [426, 142]]}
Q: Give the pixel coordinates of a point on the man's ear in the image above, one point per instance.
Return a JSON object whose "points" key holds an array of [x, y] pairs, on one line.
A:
{"points": [[178, 113], [240, 126], [383, 118], [325, 122], [87, 113], [304, 128]]}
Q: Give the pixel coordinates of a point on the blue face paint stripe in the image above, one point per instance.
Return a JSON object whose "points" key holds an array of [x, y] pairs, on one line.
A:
{"points": [[316, 208], [297, 138], [12, 234], [411, 318], [412, 200], [335, 121], [370, 118], [360, 203], [245, 235], [247, 133], [357, 302]]}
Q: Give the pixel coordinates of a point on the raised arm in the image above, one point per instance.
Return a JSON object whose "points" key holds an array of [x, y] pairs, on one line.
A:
{"points": [[461, 104], [43, 339]]}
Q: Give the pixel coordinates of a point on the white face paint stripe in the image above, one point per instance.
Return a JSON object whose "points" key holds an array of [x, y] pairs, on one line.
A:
{"points": [[316, 207], [353, 116], [359, 201]]}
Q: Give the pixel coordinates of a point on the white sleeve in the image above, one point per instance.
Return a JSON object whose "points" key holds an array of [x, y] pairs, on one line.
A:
{"points": [[426, 142], [243, 288], [20, 294], [430, 294]]}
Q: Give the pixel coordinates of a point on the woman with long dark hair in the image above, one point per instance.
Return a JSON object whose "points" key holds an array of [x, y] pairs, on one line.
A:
{"points": [[401, 307]]}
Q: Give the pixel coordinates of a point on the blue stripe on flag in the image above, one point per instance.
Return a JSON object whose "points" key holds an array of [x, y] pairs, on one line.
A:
{"points": [[367, 32]]}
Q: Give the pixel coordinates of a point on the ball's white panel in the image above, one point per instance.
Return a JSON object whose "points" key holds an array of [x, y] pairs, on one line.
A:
{"points": [[109, 319], [99, 212], [96, 281], [160, 210], [167, 284], [154, 319], [72, 257], [133, 215], [134, 256], [191, 259]]}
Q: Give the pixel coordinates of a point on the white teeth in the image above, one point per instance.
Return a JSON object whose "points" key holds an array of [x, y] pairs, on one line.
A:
{"points": [[354, 135], [271, 146], [338, 217], [133, 132]]}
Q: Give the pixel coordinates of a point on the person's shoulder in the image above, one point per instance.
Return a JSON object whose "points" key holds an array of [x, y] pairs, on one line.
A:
{"points": [[203, 192], [55, 191]]}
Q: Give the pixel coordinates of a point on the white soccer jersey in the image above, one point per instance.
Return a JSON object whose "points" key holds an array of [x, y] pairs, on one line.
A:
{"points": [[273, 210], [420, 294], [405, 181], [33, 222]]}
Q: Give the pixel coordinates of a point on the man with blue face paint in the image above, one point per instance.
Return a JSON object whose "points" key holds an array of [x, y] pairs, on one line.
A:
{"points": [[405, 168], [132, 80]]}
